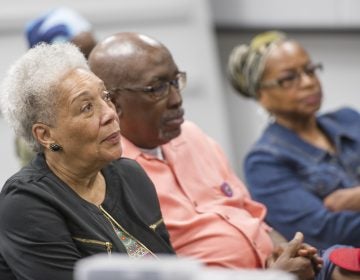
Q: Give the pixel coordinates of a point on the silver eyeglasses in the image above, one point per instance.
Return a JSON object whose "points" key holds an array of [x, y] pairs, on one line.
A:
{"points": [[161, 90], [293, 78]]}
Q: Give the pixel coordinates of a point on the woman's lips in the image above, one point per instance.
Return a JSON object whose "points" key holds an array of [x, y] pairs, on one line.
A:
{"points": [[313, 99], [113, 138]]}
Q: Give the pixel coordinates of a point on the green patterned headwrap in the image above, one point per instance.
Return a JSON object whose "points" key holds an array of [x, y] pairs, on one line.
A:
{"points": [[246, 62]]}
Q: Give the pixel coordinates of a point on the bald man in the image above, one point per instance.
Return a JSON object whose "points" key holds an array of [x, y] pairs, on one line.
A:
{"points": [[208, 211]]}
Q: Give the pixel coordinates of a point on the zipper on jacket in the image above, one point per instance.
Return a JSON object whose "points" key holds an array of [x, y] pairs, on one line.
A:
{"points": [[154, 226], [112, 220], [106, 244]]}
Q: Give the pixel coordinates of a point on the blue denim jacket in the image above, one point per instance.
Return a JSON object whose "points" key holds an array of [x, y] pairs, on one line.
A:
{"points": [[292, 177]]}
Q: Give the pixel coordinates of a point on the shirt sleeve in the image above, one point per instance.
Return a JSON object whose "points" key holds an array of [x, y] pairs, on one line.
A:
{"points": [[34, 242], [292, 208]]}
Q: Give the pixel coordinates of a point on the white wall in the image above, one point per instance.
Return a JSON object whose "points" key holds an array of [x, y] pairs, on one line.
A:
{"points": [[184, 26], [330, 30], [334, 14]]}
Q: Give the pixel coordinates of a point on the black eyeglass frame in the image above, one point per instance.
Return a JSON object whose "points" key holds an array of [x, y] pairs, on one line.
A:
{"points": [[309, 70], [160, 91]]}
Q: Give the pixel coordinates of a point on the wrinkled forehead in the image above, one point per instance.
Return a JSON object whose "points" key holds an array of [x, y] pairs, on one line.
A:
{"points": [[75, 80]]}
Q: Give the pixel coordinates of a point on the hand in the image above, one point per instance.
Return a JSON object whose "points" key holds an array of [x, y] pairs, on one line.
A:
{"points": [[296, 257], [343, 199], [304, 250], [310, 252]]}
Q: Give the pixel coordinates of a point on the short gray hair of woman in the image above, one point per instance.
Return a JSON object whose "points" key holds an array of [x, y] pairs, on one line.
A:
{"points": [[29, 90]]}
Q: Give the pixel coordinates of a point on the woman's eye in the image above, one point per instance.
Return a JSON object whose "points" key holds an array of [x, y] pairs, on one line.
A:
{"points": [[288, 78], [86, 108], [310, 70]]}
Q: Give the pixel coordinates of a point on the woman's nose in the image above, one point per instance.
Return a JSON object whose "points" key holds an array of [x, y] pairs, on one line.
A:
{"points": [[108, 113]]}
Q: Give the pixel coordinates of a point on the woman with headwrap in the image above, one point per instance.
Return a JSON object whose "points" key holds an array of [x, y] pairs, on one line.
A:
{"points": [[305, 167]]}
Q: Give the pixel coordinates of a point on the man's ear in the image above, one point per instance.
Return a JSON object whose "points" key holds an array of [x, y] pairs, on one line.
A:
{"points": [[42, 133]]}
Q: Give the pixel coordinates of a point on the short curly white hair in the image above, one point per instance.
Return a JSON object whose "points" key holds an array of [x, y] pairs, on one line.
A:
{"points": [[28, 91]]}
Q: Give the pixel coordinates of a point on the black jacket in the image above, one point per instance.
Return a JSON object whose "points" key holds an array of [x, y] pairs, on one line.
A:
{"points": [[45, 227]]}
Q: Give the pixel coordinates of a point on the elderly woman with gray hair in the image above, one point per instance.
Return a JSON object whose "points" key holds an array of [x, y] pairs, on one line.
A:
{"points": [[305, 167], [77, 197], [61, 24]]}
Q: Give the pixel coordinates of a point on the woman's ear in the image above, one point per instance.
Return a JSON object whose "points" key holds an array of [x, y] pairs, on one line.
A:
{"points": [[263, 98], [42, 133]]}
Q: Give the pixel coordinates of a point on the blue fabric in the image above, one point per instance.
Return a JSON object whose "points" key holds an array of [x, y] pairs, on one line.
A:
{"points": [[328, 267], [57, 25], [292, 177]]}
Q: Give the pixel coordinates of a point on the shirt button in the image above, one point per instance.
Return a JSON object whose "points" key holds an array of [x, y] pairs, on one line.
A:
{"points": [[195, 203], [255, 244], [227, 217]]}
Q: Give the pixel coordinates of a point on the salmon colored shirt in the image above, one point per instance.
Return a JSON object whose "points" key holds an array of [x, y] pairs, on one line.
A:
{"points": [[206, 208]]}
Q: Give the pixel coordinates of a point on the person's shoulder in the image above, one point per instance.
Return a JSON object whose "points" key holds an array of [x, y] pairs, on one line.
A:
{"points": [[128, 169], [191, 131], [25, 192], [271, 138], [126, 164], [132, 178], [196, 138], [189, 127], [26, 178], [342, 115]]}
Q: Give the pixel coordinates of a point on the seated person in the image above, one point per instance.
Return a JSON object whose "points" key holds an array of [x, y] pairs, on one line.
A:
{"points": [[208, 211], [57, 25], [305, 166], [347, 263], [75, 198], [61, 25]]}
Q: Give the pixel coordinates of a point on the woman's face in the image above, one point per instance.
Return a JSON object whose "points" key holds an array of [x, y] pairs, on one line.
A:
{"points": [[87, 126], [291, 87]]}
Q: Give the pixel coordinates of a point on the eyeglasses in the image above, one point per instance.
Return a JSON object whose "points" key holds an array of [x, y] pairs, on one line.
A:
{"points": [[159, 91], [294, 77]]}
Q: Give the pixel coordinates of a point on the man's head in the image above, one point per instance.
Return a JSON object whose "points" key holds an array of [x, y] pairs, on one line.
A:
{"points": [[146, 85]]}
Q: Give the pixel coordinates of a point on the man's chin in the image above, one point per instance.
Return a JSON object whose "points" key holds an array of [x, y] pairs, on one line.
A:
{"points": [[167, 136]]}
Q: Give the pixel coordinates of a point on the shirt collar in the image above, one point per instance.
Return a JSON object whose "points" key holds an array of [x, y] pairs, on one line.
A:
{"points": [[155, 152], [133, 152], [169, 149]]}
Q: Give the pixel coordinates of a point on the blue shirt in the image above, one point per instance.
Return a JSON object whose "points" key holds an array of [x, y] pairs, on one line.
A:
{"points": [[292, 177]]}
